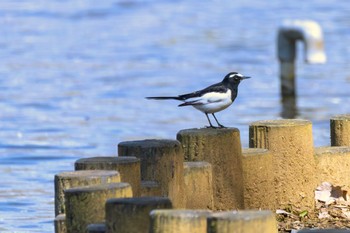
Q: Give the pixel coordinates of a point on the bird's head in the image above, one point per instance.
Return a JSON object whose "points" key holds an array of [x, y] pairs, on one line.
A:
{"points": [[234, 78]]}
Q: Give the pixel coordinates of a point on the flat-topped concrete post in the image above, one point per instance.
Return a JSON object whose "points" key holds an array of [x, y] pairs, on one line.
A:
{"points": [[66, 180], [96, 228], [242, 221], [340, 130], [294, 166], [86, 205], [131, 215], [259, 192], [150, 188], [198, 187], [333, 165], [179, 221], [161, 161], [222, 149], [60, 223], [127, 166]]}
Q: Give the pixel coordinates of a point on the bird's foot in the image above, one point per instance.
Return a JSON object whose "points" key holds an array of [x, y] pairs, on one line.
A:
{"points": [[216, 127]]}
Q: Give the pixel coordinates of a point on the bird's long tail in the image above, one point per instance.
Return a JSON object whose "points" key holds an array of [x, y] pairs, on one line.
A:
{"points": [[164, 98]]}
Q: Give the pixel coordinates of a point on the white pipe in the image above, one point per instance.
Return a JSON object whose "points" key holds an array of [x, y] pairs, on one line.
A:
{"points": [[307, 31], [289, 33]]}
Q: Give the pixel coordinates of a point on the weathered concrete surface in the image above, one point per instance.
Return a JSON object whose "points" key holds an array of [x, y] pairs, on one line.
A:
{"points": [[86, 205], [96, 228], [161, 161], [131, 215], [198, 187], [66, 180], [291, 145], [60, 223], [222, 149], [340, 130], [150, 188], [242, 221], [179, 221], [127, 166], [259, 192], [333, 165]]}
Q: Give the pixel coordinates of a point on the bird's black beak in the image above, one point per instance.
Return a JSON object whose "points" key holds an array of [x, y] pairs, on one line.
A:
{"points": [[245, 77]]}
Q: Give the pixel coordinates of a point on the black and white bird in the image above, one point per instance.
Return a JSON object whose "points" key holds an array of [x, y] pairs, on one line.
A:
{"points": [[212, 99]]}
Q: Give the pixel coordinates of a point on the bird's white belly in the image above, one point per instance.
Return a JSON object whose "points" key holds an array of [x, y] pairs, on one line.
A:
{"points": [[213, 102], [213, 107]]}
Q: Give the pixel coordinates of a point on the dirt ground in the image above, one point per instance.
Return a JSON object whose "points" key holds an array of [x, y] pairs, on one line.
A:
{"points": [[335, 220], [332, 211]]}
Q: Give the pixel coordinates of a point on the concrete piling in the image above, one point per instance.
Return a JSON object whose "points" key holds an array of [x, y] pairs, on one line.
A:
{"points": [[281, 169], [198, 186], [127, 166], [340, 130], [178, 221], [86, 205], [96, 228], [333, 165], [259, 192], [60, 223], [131, 215], [150, 188], [161, 161], [242, 221], [291, 145], [66, 180], [222, 149]]}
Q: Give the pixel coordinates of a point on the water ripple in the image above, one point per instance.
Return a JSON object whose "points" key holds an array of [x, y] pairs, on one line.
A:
{"points": [[74, 75]]}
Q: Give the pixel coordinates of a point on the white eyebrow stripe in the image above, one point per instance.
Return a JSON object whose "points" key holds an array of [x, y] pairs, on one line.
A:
{"points": [[238, 74]]}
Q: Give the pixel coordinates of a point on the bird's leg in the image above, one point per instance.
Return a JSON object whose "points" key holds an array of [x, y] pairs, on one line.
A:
{"points": [[211, 126], [217, 121]]}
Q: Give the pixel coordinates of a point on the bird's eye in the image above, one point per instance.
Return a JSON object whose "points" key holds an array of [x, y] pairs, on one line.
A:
{"points": [[237, 78]]}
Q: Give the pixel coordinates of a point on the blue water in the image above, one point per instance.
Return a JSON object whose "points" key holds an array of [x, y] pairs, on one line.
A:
{"points": [[74, 74]]}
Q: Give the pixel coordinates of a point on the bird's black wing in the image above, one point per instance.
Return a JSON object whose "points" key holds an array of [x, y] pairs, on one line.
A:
{"points": [[218, 87]]}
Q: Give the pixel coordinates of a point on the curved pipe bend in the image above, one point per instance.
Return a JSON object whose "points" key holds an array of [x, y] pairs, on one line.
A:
{"points": [[305, 30]]}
